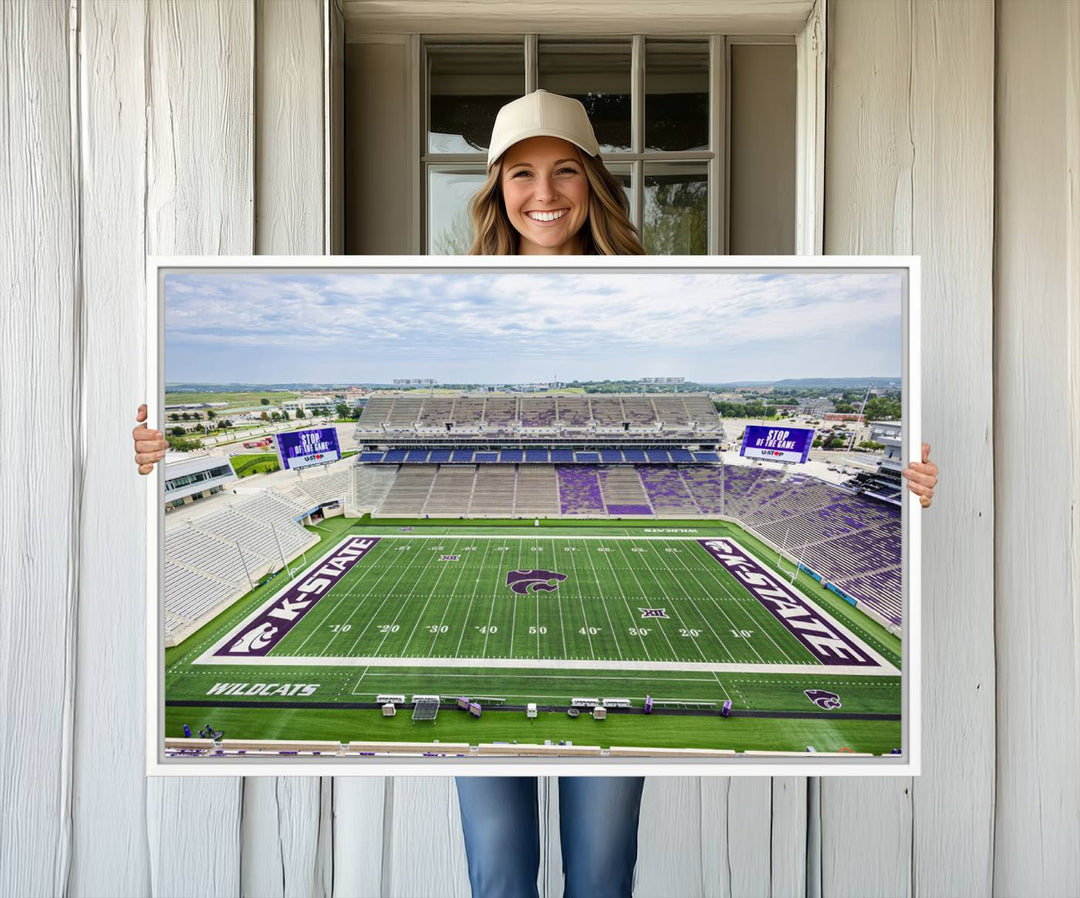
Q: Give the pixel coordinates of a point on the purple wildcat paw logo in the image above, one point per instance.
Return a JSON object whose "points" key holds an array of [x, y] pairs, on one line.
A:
{"points": [[520, 581], [828, 701]]}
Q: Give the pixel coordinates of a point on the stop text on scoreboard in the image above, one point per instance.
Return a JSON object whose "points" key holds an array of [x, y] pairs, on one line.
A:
{"points": [[786, 444], [303, 448]]}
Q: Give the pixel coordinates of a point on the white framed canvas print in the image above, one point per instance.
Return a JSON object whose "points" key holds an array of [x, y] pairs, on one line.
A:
{"points": [[608, 515]]}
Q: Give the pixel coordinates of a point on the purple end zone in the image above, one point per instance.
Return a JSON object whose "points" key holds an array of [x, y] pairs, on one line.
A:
{"points": [[260, 636], [801, 619]]}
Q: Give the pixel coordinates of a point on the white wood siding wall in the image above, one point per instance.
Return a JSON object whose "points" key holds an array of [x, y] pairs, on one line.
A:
{"points": [[198, 127], [910, 152]]}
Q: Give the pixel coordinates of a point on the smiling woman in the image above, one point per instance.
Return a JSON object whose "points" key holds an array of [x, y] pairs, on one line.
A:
{"points": [[547, 190], [546, 196]]}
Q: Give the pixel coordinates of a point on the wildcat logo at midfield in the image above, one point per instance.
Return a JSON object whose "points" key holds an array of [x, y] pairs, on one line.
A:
{"points": [[520, 581], [828, 701]]}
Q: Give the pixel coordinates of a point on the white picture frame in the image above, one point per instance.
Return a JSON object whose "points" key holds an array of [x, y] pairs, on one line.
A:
{"points": [[205, 762]]}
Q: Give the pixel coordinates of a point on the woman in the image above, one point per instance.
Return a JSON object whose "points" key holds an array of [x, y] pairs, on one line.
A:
{"points": [[547, 193]]}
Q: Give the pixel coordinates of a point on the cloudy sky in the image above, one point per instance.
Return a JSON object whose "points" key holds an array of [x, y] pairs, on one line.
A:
{"points": [[523, 327]]}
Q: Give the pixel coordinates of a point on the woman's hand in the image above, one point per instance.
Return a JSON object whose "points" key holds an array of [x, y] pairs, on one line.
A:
{"points": [[922, 477], [150, 445]]}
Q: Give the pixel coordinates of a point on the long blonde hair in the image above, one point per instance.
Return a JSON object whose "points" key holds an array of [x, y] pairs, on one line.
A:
{"points": [[607, 232]]}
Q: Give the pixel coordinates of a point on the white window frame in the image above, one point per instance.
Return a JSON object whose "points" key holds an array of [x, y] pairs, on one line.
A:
{"points": [[809, 127]]}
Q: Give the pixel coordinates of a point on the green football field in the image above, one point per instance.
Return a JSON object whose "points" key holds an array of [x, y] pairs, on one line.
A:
{"points": [[510, 614], [434, 598]]}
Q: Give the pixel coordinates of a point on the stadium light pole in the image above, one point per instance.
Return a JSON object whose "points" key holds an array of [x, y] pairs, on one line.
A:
{"points": [[284, 563], [247, 573]]}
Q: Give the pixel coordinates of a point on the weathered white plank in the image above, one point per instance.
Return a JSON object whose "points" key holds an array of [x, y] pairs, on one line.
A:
{"points": [[200, 187], [40, 316], [1037, 446], [110, 852], [193, 829], [199, 200], [952, 131], [789, 821], [670, 837], [280, 837], [359, 813], [289, 129], [424, 824], [910, 170], [281, 816], [736, 853], [865, 835], [868, 152]]}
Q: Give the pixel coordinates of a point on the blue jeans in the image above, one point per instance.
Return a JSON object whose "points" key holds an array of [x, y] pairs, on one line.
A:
{"points": [[598, 822]]}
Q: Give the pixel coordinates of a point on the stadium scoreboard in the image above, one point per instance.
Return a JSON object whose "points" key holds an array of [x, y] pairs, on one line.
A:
{"points": [[786, 444], [304, 448]]}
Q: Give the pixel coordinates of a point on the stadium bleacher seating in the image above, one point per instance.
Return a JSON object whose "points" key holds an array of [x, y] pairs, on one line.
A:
{"points": [[451, 491], [579, 490], [214, 559]]}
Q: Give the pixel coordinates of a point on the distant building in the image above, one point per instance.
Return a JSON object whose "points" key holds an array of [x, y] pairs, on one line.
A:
{"points": [[817, 407], [885, 483], [190, 478], [309, 404]]}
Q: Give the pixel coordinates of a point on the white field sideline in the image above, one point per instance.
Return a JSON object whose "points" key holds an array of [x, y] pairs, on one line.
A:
{"points": [[884, 669]]}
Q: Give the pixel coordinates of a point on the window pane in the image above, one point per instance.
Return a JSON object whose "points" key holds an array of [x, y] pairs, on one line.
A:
{"points": [[676, 209], [449, 191], [676, 95], [467, 84], [597, 74]]}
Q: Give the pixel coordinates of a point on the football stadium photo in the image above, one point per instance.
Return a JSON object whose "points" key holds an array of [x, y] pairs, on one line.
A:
{"points": [[472, 514]]}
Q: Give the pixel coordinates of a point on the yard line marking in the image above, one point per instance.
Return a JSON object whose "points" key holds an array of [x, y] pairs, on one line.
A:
{"points": [[357, 686], [713, 570], [442, 570], [513, 610], [705, 617], [537, 597], [386, 598], [345, 594], [562, 623], [446, 606], [472, 597], [675, 654], [491, 610], [675, 609], [581, 602], [719, 607], [721, 685], [352, 590], [622, 592]]}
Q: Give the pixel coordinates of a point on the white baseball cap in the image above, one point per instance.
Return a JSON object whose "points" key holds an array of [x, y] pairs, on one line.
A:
{"points": [[541, 114]]}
